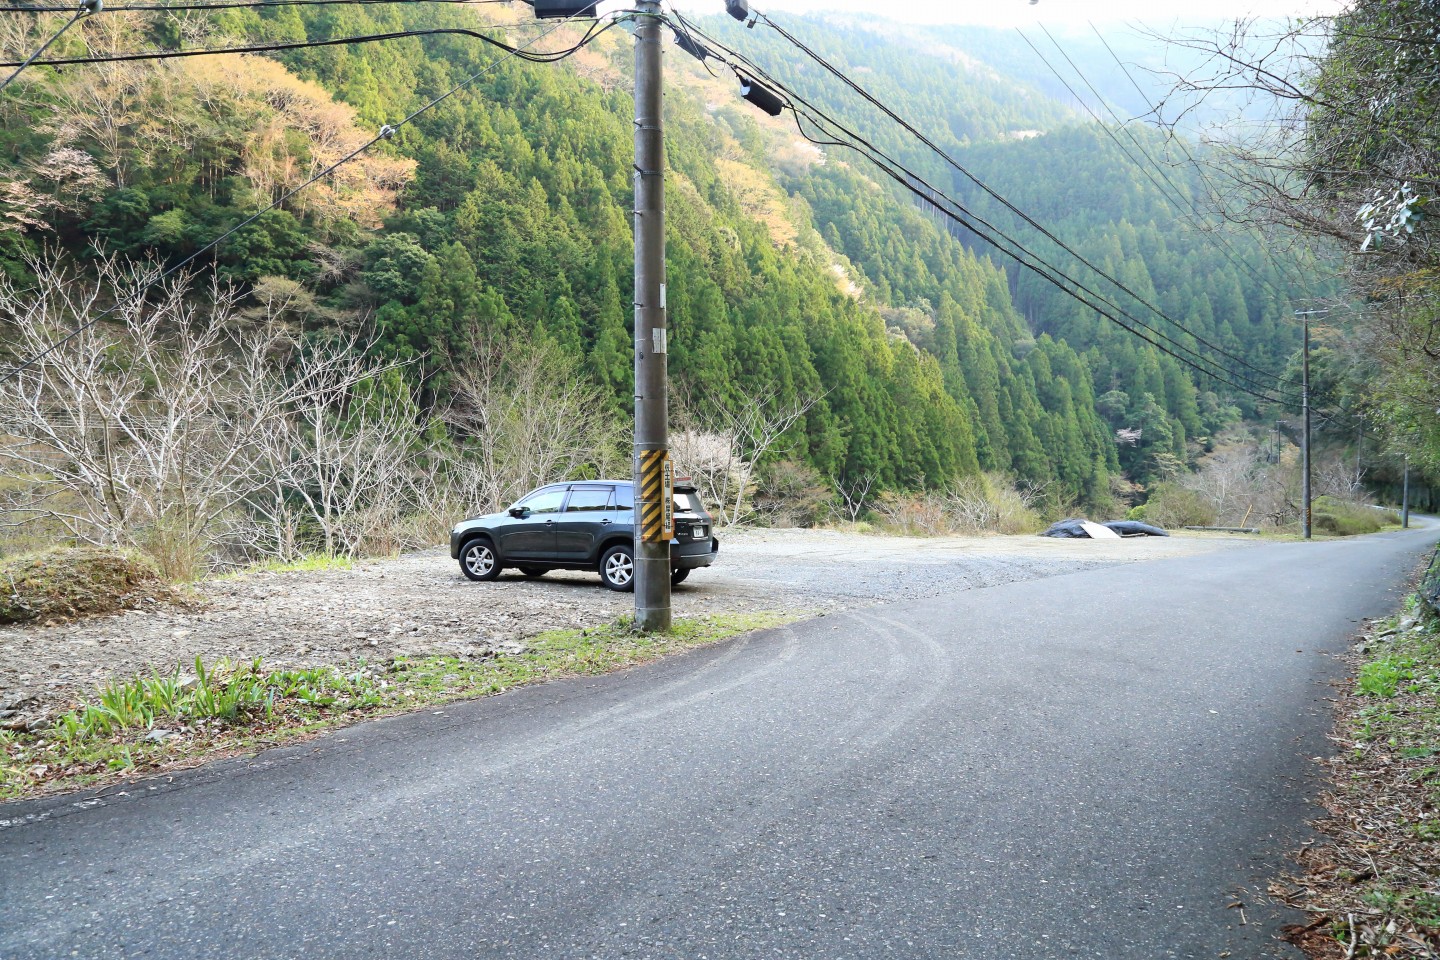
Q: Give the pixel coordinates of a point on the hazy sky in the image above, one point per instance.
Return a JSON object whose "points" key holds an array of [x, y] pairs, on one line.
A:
{"points": [[1022, 12]]}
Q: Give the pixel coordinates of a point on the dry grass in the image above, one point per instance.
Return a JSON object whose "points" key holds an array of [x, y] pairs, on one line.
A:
{"points": [[1372, 887], [68, 583]]}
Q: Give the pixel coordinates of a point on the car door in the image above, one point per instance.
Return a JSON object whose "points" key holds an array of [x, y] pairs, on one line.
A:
{"points": [[531, 536], [588, 513]]}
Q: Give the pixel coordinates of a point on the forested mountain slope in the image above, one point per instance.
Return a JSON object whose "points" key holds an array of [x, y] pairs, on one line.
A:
{"points": [[1134, 208], [793, 274]]}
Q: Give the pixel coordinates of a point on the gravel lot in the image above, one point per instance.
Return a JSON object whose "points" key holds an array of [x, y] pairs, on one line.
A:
{"points": [[420, 604]]}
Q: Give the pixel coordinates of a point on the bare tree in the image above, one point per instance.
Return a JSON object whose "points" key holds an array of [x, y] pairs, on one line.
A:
{"points": [[525, 415], [148, 427], [852, 495], [750, 428]]}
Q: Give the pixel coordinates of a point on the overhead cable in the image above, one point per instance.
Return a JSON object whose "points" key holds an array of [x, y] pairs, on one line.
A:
{"points": [[233, 5], [386, 132], [952, 162], [988, 232], [86, 8], [547, 57], [1280, 266]]}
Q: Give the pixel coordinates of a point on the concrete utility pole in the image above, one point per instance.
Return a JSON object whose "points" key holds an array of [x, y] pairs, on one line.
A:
{"points": [[1305, 513], [1405, 497], [654, 476]]}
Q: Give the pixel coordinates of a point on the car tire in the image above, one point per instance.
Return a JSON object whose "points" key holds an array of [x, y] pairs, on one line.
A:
{"points": [[478, 560], [677, 577], [533, 572], [617, 569]]}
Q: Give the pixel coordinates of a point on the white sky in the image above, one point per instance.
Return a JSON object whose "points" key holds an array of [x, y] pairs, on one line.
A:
{"points": [[1011, 13]]}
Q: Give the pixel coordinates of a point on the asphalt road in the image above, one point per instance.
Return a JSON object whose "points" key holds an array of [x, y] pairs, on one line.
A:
{"points": [[1091, 765]]}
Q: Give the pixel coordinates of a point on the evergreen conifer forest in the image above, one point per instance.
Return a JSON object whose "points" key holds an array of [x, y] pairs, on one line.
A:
{"points": [[799, 279]]}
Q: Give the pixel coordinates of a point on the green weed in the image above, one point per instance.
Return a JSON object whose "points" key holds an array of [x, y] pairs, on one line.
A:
{"points": [[1382, 678], [134, 726]]}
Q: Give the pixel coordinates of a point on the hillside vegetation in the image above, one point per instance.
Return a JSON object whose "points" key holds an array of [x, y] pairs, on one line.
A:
{"points": [[801, 293]]}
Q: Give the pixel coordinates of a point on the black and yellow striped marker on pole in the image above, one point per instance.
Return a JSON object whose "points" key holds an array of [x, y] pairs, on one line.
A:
{"points": [[657, 497]]}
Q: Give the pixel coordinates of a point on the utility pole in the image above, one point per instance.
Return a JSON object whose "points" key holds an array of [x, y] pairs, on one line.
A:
{"points": [[1305, 514], [1405, 497], [1359, 445], [654, 476]]}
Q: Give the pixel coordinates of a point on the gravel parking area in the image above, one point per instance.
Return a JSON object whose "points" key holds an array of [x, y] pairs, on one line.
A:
{"points": [[420, 604]]}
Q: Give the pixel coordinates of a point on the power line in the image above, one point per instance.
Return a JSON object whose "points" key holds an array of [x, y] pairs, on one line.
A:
{"points": [[1173, 195], [86, 8], [1177, 196], [967, 219], [236, 4], [548, 57], [1025, 257], [386, 132], [951, 161], [1200, 170]]}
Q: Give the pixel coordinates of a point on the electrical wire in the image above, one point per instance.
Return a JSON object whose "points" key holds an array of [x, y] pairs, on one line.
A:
{"points": [[547, 57], [951, 161], [967, 219], [386, 132], [1338, 412], [82, 11], [237, 4], [1174, 195], [1282, 267], [988, 232]]}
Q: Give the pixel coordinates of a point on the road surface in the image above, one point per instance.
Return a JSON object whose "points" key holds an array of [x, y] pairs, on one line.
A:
{"points": [[1093, 765]]}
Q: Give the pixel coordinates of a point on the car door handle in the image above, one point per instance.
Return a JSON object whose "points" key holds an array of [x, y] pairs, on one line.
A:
{"points": [[606, 522]]}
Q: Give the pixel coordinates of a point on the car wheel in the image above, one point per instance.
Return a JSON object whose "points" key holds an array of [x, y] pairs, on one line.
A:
{"points": [[478, 560], [534, 571], [617, 569], [677, 577]]}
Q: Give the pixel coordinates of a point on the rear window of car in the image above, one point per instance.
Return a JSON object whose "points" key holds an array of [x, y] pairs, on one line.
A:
{"points": [[583, 499], [624, 498], [688, 503]]}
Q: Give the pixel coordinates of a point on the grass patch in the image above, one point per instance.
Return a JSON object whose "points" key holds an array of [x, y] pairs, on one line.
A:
{"points": [[163, 722], [1340, 518], [71, 582], [1374, 889], [309, 563]]}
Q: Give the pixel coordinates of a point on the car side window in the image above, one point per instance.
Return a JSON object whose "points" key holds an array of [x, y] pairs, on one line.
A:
{"points": [[624, 498], [589, 500], [546, 501]]}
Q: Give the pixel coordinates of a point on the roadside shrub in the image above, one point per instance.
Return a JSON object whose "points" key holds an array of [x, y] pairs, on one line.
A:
{"points": [[66, 583], [791, 494], [969, 505], [1172, 506], [1344, 518]]}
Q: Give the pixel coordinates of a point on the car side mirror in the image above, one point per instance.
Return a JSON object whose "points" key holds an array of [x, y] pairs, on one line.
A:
{"points": [[519, 512]]}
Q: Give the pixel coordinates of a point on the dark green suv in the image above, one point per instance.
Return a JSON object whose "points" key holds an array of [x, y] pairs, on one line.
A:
{"points": [[586, 525]]}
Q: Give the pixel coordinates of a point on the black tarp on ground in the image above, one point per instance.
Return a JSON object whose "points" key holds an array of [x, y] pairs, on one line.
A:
{"points": [[1067, 529], [1134, 528], [1073, 528]]}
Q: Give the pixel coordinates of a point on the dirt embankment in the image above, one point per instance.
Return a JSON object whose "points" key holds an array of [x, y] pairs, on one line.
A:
{"points": [[420, 604]]}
